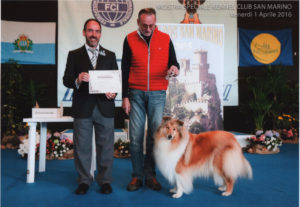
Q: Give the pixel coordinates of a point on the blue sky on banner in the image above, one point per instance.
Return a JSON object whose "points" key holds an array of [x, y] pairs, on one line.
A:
{"points": [[265, 47], [28, 42]]}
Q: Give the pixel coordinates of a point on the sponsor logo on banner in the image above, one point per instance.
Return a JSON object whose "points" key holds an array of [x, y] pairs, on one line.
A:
{"points": [[112, 13], [265, 48], [23, 44]]}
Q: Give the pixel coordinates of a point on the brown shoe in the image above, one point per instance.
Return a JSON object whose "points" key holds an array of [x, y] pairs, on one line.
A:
{"points": [[134, 184], [153, 184]]}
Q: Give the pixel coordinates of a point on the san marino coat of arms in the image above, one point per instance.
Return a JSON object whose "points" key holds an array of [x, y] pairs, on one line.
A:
{"points": [[23, 44]]}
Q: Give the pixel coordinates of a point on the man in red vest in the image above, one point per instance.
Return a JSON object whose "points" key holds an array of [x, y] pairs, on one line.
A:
{"points": [[148, 60]]}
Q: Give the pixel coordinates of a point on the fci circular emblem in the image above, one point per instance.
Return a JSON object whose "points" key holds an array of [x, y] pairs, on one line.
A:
{"points": [[265, 48], [112, 13]]}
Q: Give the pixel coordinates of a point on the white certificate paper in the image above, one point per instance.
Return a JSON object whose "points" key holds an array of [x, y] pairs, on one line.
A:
{"points": [[105, 81]]}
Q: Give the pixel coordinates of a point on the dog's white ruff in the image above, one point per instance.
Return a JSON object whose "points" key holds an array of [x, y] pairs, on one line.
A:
{"points": [[167, 159]]}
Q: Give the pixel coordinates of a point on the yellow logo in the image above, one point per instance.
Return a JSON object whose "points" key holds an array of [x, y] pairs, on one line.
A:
{"points": [[265, 48]]}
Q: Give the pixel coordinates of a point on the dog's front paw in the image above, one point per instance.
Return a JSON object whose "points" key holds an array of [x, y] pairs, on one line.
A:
{"points": [[226, 194], [173, 190], [177, 195]]}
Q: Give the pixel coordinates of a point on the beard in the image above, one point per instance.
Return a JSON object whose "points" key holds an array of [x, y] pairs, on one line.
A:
{"points": [[147, 34], [92, 41]]}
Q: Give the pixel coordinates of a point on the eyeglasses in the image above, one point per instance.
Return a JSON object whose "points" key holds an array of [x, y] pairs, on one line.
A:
{"points": [[150, 26]]}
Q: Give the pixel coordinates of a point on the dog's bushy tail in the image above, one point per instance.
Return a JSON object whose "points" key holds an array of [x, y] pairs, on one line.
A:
{"points": [[236, 165], [248, 169]]}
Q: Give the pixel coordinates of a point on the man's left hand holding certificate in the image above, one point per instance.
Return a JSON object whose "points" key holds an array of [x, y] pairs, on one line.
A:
{"points": [[105, 81]]}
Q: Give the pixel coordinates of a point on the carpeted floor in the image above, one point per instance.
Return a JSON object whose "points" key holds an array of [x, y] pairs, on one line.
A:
{"points": [[275, 183]]}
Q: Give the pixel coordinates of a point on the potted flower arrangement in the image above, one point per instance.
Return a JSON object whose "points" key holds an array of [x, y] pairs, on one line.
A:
{"points": [[24, 146], [288, 128], [121, 149], [57, 147], [273, 104], [267, 142]]}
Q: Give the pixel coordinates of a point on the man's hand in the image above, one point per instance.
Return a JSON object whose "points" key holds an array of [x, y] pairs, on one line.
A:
{"points": [[173, 71], [83, 77], [110, 96], [126, 105]]}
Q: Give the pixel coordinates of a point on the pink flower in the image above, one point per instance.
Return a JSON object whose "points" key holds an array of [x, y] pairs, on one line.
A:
{"points": [[290, 133], [69, 140], [48, 135], [56, 134], [262, 137]]}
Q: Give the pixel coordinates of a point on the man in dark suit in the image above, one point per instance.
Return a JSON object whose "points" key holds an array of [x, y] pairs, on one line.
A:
{"points": [[91, 110]]}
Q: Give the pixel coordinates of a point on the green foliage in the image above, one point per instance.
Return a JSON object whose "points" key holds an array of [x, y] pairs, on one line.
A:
{"points": [[260, 105], [34, 93], [12, 93], [272, 95], [18, 97]]}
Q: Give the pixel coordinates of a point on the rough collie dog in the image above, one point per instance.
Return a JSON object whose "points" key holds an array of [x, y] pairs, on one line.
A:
{"points": [[182, 156]]}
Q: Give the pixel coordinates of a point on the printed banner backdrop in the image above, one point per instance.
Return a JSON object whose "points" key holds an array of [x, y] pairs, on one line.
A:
{"points": [[28, 42], [120, 18], [195, 95], [272, 47]]}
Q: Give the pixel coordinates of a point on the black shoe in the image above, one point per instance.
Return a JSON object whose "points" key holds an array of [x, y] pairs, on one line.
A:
{"points": [[82, 189], [106, 188], [134, 184], [153, 184]]}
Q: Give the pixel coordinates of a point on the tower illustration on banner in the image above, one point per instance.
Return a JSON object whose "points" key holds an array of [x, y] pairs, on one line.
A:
{"points": [[191, 16], [193, 96]]}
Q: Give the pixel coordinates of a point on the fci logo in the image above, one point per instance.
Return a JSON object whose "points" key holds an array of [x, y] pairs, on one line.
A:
{"points": [[112, 7], [112, 13]]}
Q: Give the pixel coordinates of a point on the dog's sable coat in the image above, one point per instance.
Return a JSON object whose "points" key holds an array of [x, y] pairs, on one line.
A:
{"points": [[181, 156]]}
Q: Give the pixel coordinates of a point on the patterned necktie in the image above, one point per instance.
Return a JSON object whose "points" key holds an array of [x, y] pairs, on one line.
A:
{"points": [[94, 57]]}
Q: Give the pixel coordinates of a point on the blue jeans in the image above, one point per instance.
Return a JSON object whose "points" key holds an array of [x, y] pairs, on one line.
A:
{"points": [[150, 103]]}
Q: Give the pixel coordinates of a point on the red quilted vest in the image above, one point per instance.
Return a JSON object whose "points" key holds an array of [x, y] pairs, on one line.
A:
{"points": [[149, 65]]}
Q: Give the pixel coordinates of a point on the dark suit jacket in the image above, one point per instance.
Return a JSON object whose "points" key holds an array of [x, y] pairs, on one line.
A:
{"points": [[83, 103]]}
